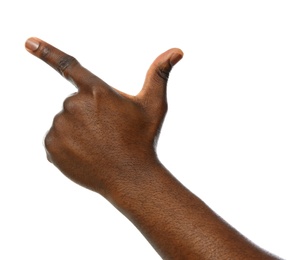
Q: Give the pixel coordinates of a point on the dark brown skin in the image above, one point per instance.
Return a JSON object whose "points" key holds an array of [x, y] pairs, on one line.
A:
{"points": [[105, 140]]}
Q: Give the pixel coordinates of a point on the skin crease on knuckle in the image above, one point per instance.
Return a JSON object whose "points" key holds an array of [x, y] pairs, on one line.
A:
{"points": [[63, 61]]}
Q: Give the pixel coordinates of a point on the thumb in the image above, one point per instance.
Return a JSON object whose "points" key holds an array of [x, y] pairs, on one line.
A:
{"points": [[155, 84]]}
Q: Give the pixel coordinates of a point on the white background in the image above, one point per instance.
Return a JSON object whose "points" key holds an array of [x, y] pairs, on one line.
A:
{"points": [[225, 136]]}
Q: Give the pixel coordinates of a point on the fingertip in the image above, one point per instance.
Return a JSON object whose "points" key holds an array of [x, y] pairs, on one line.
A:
{"points": [[158, 73], [32, 44], [177, 50], [176, 56]]}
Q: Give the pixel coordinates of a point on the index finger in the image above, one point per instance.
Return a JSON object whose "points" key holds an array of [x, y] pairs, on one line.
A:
{"points": [[65, 64]]}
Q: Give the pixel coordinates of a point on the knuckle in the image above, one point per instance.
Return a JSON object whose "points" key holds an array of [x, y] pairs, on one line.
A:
{"points": [[54, 137], [71, 104], [163, 73], [58, 123], [45, 52], [49, 143], [61, 61], [48, 157], [97, 92], [65, 62]]}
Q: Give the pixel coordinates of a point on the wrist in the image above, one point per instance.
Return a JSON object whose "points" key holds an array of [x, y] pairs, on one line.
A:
{"points": [[136, 181]]}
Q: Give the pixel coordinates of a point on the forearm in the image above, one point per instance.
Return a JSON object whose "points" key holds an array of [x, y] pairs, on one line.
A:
{"points": [[177, 223]]}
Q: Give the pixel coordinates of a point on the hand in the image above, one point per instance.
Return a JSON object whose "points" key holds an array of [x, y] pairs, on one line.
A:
{"points": [[105, 140], [102, 134]]}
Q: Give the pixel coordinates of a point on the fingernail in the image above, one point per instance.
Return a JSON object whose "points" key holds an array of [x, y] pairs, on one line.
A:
{"points": [[32, 44], [175, 58]]}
